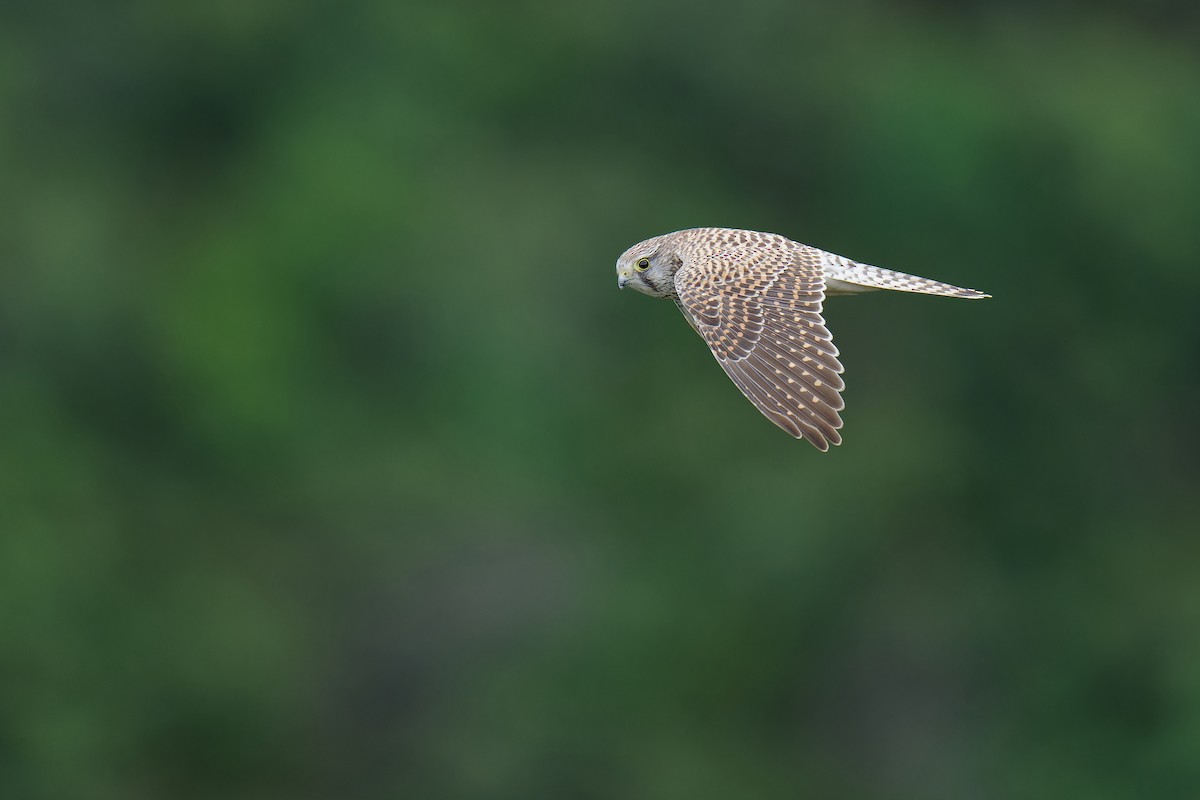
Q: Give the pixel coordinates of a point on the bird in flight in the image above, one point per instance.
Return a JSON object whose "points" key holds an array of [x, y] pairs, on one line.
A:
{"points": [[756, 299]]}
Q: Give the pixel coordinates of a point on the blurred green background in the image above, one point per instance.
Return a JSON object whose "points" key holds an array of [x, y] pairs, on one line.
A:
{"points": [[333, 463]]}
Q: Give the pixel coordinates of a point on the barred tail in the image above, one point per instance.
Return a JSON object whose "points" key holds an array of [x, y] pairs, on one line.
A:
{"points": [[844, 276]]}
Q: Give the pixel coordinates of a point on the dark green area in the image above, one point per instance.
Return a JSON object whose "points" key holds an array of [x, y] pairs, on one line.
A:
{"points": [[333, 464]]}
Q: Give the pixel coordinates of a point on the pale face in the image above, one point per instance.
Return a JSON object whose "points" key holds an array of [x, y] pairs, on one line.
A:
{"points": [[647, 268]]}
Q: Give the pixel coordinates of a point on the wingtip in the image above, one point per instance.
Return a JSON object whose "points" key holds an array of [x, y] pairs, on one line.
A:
{"points": [[822, 443]]}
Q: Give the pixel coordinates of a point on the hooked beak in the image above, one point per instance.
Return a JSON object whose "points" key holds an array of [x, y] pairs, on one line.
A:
{"points": [[622, 279]]}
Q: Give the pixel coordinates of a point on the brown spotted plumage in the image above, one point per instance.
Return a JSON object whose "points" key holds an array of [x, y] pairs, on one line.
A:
{"points": [[757, 298]]}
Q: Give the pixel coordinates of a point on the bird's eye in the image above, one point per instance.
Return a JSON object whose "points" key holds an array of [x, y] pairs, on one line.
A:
{"points": [[643, 265]]}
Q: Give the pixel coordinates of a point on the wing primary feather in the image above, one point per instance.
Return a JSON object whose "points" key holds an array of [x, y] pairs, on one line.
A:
{"points": [[766, 405], [792, 408], [825, 382]]}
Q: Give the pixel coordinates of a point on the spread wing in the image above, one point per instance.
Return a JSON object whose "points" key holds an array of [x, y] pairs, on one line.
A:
{"points": [[759, 309]]}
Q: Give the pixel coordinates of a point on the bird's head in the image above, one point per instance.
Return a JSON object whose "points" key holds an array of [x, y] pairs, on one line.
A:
{"points": [[649, 267]]}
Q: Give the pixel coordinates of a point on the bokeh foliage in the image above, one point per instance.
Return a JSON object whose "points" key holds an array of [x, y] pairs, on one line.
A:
{"points": [[334, 465]]}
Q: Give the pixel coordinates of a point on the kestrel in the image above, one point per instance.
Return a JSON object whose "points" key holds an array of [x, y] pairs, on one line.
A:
{"points": [[756, 299]]}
